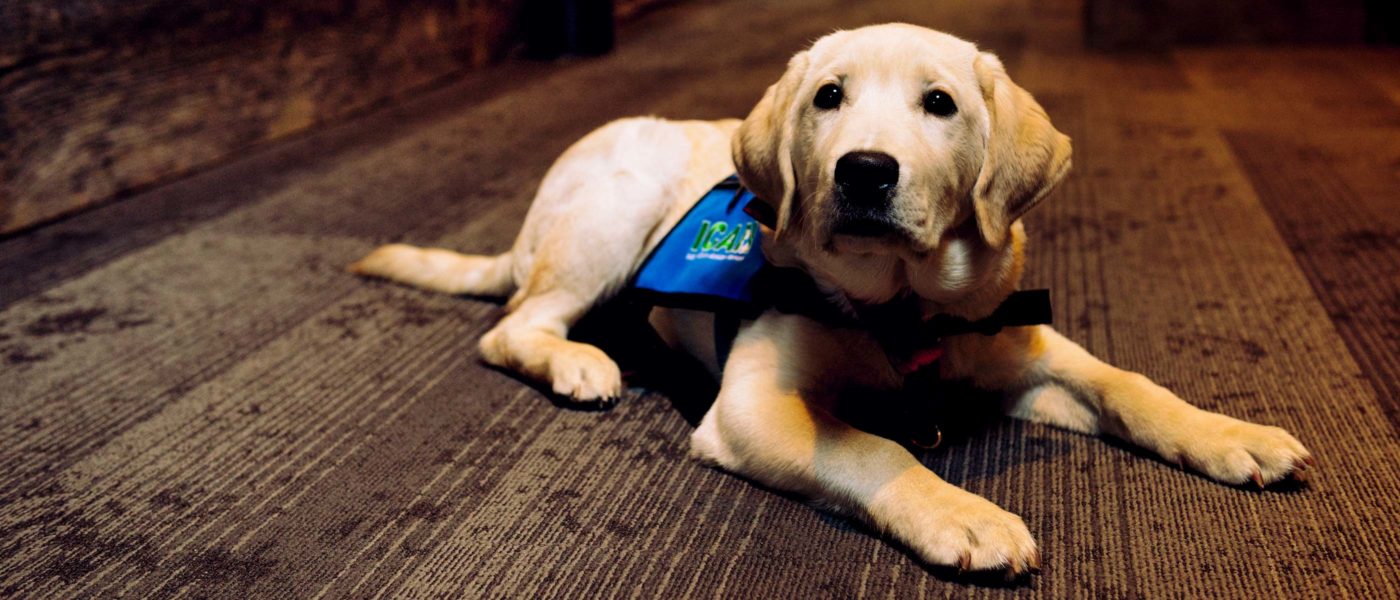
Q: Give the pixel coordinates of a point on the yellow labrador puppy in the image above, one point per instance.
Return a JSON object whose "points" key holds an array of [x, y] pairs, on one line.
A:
{"points": [[899, 160]]}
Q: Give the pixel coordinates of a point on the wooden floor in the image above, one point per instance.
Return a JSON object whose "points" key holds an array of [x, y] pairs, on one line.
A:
{"points": [[196, 400]]}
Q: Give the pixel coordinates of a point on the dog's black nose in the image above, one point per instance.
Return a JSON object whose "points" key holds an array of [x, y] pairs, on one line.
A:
{"points": [[867, 178]]}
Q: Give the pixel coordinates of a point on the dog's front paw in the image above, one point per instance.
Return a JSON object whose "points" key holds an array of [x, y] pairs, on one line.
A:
{"points": [[971, 533], [1234, 451]]}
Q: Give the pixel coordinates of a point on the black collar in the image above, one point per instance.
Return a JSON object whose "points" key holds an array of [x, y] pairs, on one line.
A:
{"points": [[898, 325], [899, 322], [912, 343]]}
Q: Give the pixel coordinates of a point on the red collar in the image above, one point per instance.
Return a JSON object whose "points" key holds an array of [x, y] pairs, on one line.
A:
{"points": [[921, 358]]}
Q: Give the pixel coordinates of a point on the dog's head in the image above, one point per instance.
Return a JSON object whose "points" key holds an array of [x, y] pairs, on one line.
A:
{"points": [[899, 158]]}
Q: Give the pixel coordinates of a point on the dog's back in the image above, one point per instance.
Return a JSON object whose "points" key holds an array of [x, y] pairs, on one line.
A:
{"points": [[603, 205]]}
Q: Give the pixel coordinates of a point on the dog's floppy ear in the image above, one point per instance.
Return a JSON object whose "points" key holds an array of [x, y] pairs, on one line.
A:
{"points": [[763, 145], [1025, 158]]}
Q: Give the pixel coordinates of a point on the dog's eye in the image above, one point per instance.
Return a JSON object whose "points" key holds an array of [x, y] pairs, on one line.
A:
{"points": [[938, 102], [828, 97]]}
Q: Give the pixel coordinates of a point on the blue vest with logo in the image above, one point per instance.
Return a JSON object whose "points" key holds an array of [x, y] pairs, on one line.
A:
{"points": [[710, 260], [713, 260]]}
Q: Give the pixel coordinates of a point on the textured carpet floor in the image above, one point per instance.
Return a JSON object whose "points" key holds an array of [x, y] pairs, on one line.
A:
{"points": [[196, 400]]}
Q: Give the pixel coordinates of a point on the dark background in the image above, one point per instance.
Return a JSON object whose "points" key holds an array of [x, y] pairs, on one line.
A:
{"points": [[99, 98]]}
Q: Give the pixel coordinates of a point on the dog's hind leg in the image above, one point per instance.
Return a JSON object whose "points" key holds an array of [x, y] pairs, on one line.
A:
{"points": [[567, 261], [532, 340], [599, 210], [566, 275], [440, 270]]}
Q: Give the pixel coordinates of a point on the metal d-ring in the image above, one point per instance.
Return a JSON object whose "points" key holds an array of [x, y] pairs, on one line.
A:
{"points": [[937, 439]]}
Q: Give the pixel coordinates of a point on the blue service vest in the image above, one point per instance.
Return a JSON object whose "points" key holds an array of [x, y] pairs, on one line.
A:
{"points": [[713, 260], [710, 260]]}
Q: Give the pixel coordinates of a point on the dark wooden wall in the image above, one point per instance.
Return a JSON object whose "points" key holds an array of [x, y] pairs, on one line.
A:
{"points": [[102, 97], [1160, 23]]}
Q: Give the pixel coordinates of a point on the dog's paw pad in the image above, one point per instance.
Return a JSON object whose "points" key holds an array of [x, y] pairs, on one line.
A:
{"points": [[586, 375], [976, 535], [1241, 453]]}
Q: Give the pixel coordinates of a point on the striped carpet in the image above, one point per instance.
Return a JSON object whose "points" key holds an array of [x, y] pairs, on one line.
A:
{"points": [[196, 400]]}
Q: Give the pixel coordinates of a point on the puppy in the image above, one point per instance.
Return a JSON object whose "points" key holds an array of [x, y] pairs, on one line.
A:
{"points": [[898, 161]]}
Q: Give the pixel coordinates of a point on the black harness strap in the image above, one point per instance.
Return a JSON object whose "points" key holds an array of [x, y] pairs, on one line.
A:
{"points": [[726, 329], [712, 261]]}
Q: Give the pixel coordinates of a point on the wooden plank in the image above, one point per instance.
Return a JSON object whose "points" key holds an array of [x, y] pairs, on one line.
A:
{"points": [[1332, 196], [1285, 89], [95, 105], [1154, 24], [101, 98], [1318, 133]]}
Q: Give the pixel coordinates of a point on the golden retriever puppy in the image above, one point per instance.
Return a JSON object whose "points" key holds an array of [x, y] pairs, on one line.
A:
{"points": [[898, 161]]}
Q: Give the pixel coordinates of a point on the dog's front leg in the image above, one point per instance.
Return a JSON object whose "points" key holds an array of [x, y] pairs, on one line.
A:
{"points": [[772, 423], [1050, 379]]}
